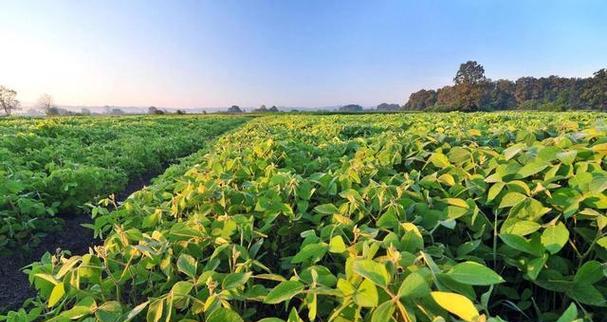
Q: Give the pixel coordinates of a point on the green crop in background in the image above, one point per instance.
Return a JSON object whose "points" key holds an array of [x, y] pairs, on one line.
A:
{"points": [[55, 166]]}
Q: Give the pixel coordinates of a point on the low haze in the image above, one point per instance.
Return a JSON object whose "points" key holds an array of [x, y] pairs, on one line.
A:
{"points": [[309, 53]]}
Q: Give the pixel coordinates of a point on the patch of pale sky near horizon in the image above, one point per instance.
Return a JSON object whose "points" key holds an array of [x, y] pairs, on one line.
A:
{"points": [[317, 53]]}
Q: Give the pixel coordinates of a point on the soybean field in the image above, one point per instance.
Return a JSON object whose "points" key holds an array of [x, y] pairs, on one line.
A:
{"points": [[401, 217]]}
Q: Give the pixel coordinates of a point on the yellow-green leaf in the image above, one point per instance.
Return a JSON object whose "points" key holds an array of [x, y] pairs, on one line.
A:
{"points": [[555, 237], [366, 295], [439, 160], [56, 294], [512, 199], [457, 202], [456, 304], [337, 245]]}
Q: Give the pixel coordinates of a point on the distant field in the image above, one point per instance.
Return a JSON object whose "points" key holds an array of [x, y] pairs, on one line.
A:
{"points": [[400, 217], [54, 166]]}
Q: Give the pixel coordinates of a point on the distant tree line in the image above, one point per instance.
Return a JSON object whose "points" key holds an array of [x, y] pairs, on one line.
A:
{"points": [[158, 111], [264, 109], [472, 91], [351, 108], [385, 107]]}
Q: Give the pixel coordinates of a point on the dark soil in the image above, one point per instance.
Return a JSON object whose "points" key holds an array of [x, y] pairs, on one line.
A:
{"points": [[14, 285]]}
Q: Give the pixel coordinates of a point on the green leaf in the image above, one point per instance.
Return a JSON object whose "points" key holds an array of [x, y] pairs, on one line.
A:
{"points": [[513, 150], [495, 190], [310, 252], [234, 280], [520, 243], [598, 184], [414, 286], [271, 277], [439, 160], [569, 315], [512, 199], [589, 273], [47, 277], [532, 168], [224, 315], [548, 153], [283, 292], [567, 157], [467, 247], [555, 237], [366, 294], [535, 266], [586, 294], [383, 312], [456, 212], [84, 307], [456, 304], [326, 209], [337, 245], [294, 316], [388, 220], [473, 273], [458, 154], [374, 271], [520, 227], [109, 312], [182, 288], [187, 265]]}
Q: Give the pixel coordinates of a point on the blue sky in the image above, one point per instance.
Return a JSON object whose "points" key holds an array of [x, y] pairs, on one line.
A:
{"points": [[286, 53]]}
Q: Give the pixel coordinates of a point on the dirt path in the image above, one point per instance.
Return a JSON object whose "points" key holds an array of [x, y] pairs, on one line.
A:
{"points": [[14, 285]]}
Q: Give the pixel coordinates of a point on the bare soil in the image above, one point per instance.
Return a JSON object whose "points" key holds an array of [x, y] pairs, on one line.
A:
{"points": [[14, 285]]}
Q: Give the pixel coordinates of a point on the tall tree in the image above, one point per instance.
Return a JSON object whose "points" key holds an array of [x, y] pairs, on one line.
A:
{"points": [[234, 109], [151, 110], [8, 100], [261, 109], [470, 72], [470, 82], [45, 103]]}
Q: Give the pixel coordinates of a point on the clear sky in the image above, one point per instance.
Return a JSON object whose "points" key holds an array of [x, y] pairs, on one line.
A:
{"points": [[282, 52]]}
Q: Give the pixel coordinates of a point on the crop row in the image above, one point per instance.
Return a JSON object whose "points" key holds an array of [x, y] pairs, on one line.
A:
{"points": [[425, 217], [55, 166]]}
